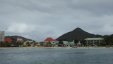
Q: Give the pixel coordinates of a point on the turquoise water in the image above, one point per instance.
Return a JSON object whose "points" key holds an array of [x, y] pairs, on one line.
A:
{"points": [[56, 55]]}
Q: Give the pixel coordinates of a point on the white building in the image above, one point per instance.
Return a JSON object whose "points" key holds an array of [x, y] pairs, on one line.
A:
{"points": [[67, 43], [94, 41]]}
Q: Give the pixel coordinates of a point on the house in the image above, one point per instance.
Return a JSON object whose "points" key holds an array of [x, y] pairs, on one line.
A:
{"points": [[49, 39], [94, 41], [68, 43], [8, 40], [50, 42], [19, 40]]}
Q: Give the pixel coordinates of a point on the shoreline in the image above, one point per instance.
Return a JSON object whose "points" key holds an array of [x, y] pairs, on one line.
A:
{"points": [[60, 47]]}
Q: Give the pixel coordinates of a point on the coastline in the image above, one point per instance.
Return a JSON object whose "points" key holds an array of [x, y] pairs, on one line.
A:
{"points": [[60, 47]]}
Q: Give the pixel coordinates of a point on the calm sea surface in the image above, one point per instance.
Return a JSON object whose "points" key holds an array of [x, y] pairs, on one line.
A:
{"points": [[56, 55]]}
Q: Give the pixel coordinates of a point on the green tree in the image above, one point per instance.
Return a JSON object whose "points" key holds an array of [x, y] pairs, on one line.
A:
{"points": [[109, 40]]}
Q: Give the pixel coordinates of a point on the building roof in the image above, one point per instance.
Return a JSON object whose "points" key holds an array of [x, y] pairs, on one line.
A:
{"points": [[49, 39], [9, 40], [94, 38]]}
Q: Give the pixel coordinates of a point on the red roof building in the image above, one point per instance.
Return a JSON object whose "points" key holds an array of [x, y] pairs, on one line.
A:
{"points": [[49, 39], [8, 40]]}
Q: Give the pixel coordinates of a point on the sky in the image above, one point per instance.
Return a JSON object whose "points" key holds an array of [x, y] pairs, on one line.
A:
{"points": [[39, 19]]}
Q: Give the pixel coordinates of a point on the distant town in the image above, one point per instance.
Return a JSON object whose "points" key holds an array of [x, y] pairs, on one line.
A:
{"points": [[75, 38]]}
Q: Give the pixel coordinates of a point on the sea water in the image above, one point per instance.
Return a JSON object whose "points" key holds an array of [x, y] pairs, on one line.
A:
{"points": [[56, 55]]}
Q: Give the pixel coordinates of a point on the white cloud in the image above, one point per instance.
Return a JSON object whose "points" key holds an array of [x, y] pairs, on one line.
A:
{"points": [[20, 28]]}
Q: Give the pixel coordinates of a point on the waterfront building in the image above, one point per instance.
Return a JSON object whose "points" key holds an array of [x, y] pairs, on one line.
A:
{"points": [[72, 43], [79, 44], [19, 40], [69, 43], [94, 41], [49, 39], [66, 43], [50, 42], [8, 40]]}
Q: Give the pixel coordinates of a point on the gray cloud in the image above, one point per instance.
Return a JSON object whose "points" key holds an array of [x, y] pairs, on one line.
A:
{"points": [[38, 19]]}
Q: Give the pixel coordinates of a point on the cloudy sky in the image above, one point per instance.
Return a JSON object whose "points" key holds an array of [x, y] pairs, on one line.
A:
{"points": [[38, 19]]}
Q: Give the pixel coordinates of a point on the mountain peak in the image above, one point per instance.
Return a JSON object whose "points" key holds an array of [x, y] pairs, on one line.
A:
{"points": [[77, 34], [78, 29]]}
